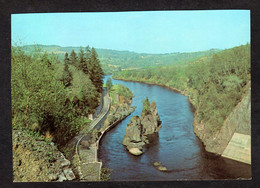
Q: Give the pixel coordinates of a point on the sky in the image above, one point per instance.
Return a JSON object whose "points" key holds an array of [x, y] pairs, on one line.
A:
{"points": [[142, 32]]}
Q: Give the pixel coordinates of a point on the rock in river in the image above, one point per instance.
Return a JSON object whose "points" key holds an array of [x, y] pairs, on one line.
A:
{"points": [[159, 166], [141, 130], [135, 151]]}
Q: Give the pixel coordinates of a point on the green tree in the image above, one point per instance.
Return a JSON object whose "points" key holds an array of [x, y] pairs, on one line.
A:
{"points": [[109, 84], [67, 75], [82, 64], [83, 93], [39, 100], [95, 71], [146, 106], [46, 60], [73, 58]]}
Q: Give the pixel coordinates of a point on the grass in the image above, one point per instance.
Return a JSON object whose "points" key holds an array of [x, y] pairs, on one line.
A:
{"points": [[114, 93]]}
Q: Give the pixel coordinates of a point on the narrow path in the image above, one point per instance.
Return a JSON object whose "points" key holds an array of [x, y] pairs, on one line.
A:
{"points": [[90, 167]]}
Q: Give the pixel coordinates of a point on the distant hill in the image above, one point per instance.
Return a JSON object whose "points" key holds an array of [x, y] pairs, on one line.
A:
{"points": [[114, 60]]}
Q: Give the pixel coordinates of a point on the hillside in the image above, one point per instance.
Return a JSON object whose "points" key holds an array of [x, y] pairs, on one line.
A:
{"points": [[51, 103], [114, 60]]}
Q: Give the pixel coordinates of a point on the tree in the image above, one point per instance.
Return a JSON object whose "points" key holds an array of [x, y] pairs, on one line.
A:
{"points": [[67, 75], [39, 99], [95, 71], [46, 60], [146, 106], [109, 84], [73, 58], [82, 64], [88, 53]]}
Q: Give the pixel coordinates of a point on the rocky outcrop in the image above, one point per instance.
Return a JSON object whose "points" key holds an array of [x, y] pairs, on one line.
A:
{"points": [[117, 113], [35, 160], [150, 122], [239, 121], [142, 130], [133, 137]]}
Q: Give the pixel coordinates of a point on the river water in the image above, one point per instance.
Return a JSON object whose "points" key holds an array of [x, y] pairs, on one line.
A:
{"points": [[177, 146]]}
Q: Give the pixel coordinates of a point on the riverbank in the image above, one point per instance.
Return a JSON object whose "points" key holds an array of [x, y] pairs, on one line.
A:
{"points": [[185, 93], [218, 141]]}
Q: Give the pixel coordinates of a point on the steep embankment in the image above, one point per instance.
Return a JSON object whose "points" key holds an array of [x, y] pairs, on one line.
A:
{"points": [[233, 140], [35, 160], [121, 105]]}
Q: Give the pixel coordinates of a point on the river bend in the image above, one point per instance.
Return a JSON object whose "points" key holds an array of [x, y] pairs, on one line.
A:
{"points": [[177, 146]]}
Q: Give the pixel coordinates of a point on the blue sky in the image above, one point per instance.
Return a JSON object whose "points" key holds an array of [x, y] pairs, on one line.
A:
{"points": [[144, 32]]}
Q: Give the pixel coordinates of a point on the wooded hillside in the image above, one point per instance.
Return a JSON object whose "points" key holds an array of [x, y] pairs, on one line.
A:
{"points": [[51, 97]]}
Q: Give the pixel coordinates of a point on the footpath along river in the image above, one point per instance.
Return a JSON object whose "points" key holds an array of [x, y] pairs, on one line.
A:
{"points": [[177, 146]]}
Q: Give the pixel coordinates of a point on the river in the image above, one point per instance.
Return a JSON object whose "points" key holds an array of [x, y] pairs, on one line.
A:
{"points": [[177, 146]]}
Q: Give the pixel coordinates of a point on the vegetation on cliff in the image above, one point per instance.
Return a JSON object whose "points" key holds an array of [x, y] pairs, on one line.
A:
{"points": [[121, 103], [119, 93], [215, 84]]}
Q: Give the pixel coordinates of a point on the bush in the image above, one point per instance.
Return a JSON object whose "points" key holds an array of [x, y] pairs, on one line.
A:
{"points": [[146, 106], [39, 101]]}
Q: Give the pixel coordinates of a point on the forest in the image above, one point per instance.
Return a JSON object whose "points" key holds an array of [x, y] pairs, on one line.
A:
{"points": [[52, 97], [214, 83], [113, 60]]}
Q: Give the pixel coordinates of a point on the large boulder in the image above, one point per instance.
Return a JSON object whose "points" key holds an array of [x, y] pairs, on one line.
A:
{"points": [[140, 130], [150, 122], [133, 131], [135, 151]]}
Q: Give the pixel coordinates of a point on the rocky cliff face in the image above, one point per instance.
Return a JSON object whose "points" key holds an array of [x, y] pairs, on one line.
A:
{"points": [[239, 121], [118, 112], [34, 160], [142, 130]]}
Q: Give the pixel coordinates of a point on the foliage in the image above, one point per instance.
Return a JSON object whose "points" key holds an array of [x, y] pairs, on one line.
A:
{"points": [[105, 174], [123, 91], [67, 75], [109, 84], [41, 103], [146, 106], [73, 59], [95, 71], [82, 93], [38, 99]]}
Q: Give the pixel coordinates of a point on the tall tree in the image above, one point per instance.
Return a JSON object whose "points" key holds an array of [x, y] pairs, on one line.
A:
{"points": [[88, 53], [86, 66], [46, 60], [73, 58], [146, 106], [95, 71], [82, 60], [109, 84], [67, 75]]}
